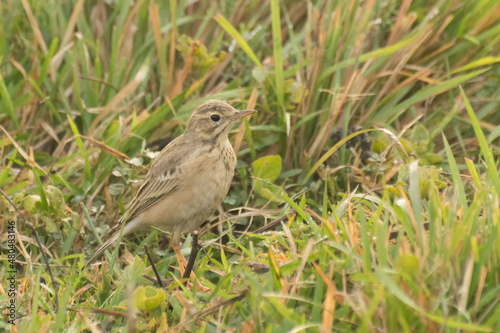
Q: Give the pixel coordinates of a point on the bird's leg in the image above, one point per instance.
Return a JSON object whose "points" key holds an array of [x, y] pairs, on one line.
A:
{"points": [[195, 247], [183, 262], [180, 258]]}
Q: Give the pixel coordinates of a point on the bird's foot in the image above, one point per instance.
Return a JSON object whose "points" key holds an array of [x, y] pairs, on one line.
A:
{"points": [[199, 286]]}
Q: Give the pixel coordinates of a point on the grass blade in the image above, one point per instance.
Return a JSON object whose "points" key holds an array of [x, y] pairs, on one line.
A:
{"points": [[455, 174], [478, 63], [4, 92], [278, 57], [227, 26], [86, 169], [423, 94], [485, 150], [330, 153]]}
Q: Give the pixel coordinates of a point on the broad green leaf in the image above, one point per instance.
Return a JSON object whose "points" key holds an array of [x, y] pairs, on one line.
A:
{"points": [[267, 168], [148, 298], [259, 74], [420, 139], [29, 203], [408, 264], [56, 199], [133, 272], [270, 192]]}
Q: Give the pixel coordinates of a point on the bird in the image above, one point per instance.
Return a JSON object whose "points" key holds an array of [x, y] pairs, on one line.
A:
{"points": [[187, 181]]}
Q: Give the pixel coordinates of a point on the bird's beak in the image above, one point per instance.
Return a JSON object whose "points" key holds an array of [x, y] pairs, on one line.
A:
{"points": [[241, 114]]}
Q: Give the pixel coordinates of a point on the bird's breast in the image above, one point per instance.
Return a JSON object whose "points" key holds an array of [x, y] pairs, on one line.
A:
{"points": [[215, 173]]}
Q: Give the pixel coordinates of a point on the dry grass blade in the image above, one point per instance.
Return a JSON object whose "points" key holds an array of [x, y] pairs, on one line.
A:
{"points": [[30, 240], [329, 303], [241, 130], [275, 223], [185, 71], [129, 28], [34, 26], [173, 43], [105, 312], [113, 152], [30, 161], [120, 96], [20, 68], [353, 228], [154, 16], [465, 288], [77, 9], [289, 235], [303, 262], [395, 140], [410, 213], [50, 131], [397, 29], [211, 310], [101, 82]]}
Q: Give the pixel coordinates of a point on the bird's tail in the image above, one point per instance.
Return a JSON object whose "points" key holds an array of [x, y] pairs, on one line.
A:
{"points": [[103, 248]]}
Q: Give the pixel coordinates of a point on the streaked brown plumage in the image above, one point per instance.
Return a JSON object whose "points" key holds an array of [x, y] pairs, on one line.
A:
{"points": [[188, 180]]}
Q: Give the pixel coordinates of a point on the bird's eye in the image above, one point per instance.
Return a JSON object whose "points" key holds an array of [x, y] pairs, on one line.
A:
{"points": [[215, 117]]}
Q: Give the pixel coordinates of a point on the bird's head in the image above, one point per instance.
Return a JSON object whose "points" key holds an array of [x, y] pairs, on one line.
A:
{"points": [[213, 119]]}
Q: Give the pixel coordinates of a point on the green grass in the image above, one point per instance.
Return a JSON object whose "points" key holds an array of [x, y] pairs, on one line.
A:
{"points": [[403, 239]]}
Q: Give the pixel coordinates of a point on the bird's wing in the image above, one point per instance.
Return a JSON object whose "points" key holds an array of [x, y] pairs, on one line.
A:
{"points": [[163, 178]]}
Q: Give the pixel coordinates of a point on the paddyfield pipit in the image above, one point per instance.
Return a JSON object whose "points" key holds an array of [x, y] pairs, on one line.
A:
{"points": [[187, 181]]}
